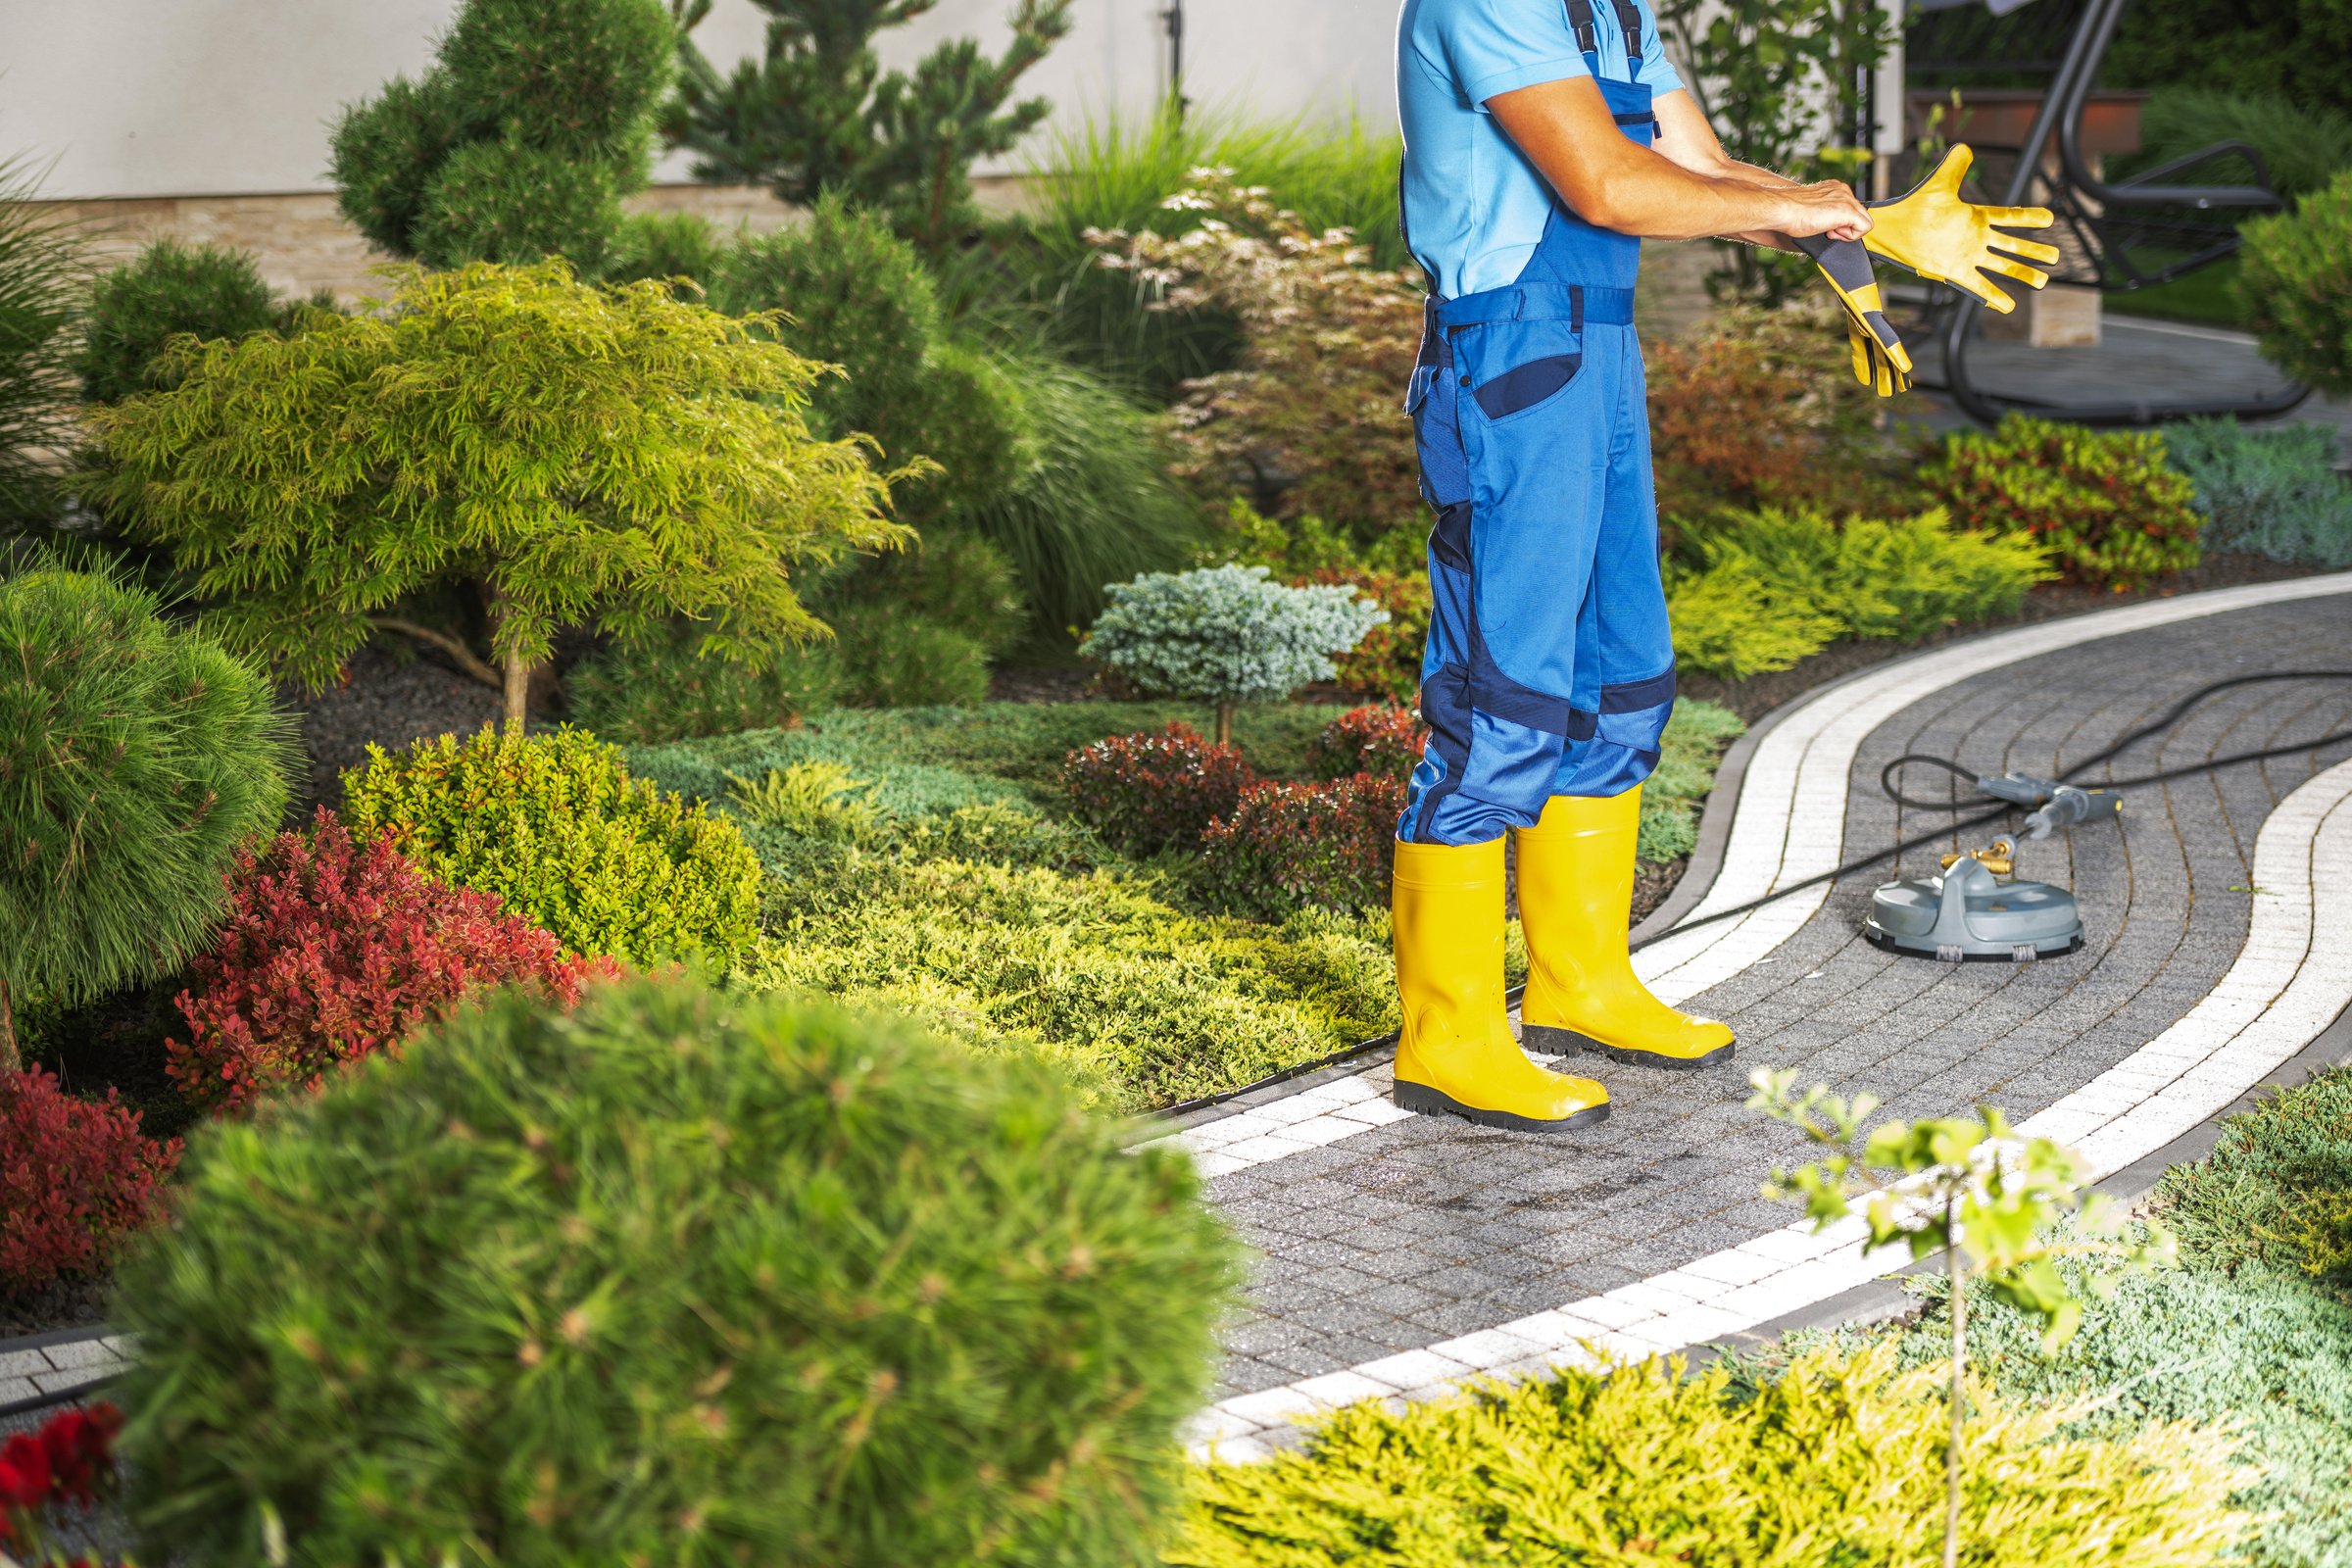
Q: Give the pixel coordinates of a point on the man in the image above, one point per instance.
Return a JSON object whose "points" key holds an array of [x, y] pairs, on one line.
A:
{"points": [[1544, 139]]}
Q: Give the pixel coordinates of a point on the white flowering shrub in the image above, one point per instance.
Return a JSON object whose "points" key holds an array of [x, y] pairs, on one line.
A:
{"points": [[1227, 635]]}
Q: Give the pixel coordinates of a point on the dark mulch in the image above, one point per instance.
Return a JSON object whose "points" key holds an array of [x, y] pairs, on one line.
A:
{"points": [[67, 1304], [388, 700]]}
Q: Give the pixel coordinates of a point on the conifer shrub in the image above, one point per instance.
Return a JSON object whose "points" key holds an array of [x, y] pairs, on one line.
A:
{"points": [[854, 295], [1226, 635], [77, 1178], [517, 142], [1381, 740], [1387, 665], [2296, 281], [1155, 791], [334, 949], [2272, 492], [1305, 845], [661, 687], [983, 926], [134, 757], [676, 1276], [1838, 1459], [557, 830], [166, 289], [2104, 503]]}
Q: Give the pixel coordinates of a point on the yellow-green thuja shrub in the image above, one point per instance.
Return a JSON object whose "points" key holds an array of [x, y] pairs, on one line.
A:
{"points": [[574, 455], [675, 1278], [1836, 1463], [556, 827]]}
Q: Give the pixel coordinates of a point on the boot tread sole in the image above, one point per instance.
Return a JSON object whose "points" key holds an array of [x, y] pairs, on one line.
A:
{"points": [[1555, 1041], [1426, 1101]]}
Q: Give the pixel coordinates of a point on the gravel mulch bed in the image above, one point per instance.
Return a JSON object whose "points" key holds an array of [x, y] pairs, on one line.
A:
{"points": [[390, 701]]}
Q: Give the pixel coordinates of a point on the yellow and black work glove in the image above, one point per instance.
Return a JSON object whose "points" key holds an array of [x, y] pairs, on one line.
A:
{"points": [[1880, 361], [1947, 240]]}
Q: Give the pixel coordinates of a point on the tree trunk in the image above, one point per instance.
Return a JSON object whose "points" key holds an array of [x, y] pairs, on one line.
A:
{"points": [[519, 690], [1225, 723], [9, 1061], [1952, 1449]]}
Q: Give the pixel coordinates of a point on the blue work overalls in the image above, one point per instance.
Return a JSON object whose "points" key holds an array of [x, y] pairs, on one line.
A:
{"points": [[1550, 668]]}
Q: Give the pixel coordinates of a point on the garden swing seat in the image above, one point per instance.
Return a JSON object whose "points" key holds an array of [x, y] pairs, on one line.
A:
{"points": [[2113, 226]]}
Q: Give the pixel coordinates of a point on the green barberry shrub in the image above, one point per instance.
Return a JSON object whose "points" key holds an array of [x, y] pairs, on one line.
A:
{"points": [[2272, 491], [1227, 635], [2110, 511], [519, 142], [2296, 281], [556, 827], [675, 1278], [134, 758], [167, 289]]}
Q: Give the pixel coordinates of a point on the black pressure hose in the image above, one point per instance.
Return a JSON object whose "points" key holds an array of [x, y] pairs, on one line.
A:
{"points": [[1886, 783]]}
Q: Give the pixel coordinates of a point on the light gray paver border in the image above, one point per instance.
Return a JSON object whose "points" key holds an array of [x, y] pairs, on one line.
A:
{"points": [[2291, 980]]}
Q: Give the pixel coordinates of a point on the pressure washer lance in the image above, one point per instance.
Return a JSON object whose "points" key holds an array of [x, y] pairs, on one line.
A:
{"points": [[1975, 910]]}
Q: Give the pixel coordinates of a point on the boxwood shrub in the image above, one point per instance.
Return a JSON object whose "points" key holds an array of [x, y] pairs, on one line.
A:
{"points": [[556, 827], [675, 1278]]}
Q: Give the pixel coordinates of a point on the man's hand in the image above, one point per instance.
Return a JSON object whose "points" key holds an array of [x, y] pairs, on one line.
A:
{"points": [[1827, 207]]}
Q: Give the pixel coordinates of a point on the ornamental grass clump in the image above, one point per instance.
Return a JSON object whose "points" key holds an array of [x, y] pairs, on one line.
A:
{"points": [[134, 757], [676, 1277], [1226, 635], [556, 827]]}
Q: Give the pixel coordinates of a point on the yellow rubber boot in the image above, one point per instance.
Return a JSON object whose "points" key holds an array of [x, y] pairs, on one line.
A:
{"points": [[1456, 1053], [1576, 899]]}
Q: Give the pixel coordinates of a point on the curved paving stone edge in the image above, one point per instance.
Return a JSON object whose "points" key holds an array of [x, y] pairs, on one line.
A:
{"points": [[2292, 977]]}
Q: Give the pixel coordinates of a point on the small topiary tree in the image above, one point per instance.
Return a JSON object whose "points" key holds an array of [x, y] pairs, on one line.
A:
{"points": [[1226, 635], [678, 1277], [167, 289], [519, 143], [555, 826], [134, 757], [574, 454], [2296, 279], [334, 949]]}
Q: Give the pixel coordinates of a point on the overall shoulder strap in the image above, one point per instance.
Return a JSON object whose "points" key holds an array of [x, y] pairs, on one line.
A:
{"points": [[1580, 19]]}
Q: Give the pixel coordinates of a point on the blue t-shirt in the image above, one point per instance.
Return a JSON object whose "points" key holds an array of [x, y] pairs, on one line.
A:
{"points": [[1474, 204]]}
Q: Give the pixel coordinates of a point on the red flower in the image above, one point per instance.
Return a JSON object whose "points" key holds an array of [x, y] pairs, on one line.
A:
{"points": [[80, 1449], [23, 1471]]}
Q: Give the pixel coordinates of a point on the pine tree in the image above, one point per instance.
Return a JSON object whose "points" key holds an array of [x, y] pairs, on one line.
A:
{"points": [[534, 120], [815, 112]]}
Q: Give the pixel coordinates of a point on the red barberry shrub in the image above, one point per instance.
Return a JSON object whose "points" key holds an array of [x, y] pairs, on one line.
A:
{"points": [[1325, 845], [1386, 741], [1153, 789], [334, 951], [76, 1176]]}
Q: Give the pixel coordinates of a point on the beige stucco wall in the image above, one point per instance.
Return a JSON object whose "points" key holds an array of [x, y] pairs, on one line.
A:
{"points": [[148, 98]]}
